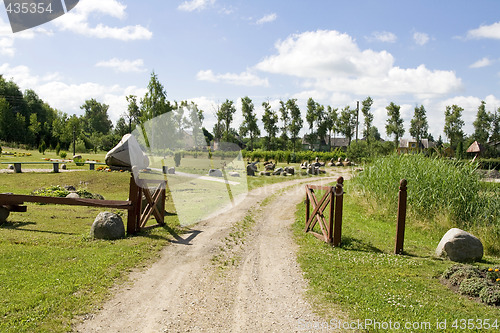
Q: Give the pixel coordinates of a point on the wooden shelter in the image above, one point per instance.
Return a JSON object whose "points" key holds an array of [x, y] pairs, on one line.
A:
{"points": [[475, 148]]}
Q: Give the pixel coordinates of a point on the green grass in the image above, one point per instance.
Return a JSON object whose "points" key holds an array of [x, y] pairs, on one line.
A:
{"points": [[50, 270], [367, 281]]}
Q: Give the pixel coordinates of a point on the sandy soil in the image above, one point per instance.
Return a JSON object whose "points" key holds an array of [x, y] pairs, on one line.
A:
{"points": [[187, 291]]}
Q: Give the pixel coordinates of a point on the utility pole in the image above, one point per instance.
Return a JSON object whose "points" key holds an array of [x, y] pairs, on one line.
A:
{"points": [[357, 120], [74, 139]]}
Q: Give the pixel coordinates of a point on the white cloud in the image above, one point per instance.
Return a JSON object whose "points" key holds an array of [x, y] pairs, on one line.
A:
{"points": [[243, 79], [332, 61], [123, 66], [421, 38], [189, 6], [77, 21], [267, 18], [69, 97], [484, 62], [7, 37], [485, 31], [382, 36]]}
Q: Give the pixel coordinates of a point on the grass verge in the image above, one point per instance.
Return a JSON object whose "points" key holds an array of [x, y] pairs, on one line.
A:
{"points": [[368, 282]]}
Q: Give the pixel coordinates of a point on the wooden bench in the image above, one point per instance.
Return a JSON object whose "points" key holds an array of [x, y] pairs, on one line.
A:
{"points": [[55, 165]]}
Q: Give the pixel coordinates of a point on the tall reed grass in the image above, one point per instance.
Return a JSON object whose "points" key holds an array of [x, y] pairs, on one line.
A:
{"points": [[437, 188]]}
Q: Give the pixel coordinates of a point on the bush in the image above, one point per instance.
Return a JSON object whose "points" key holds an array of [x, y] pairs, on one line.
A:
{"points": [[63, 154], [490, 295], [472, 286], [42, 147], [177, 158], [465, 272], [450, 270], [0, 150], [489, 164], [58, 148]]}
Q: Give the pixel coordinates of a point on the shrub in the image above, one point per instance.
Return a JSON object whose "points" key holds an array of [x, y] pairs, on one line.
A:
{"points": [[450, 270], [58, 148], [63, 154], [472, 286], [490, 295], [42, 147], [51, 191], [465, 272], [177, 158]]}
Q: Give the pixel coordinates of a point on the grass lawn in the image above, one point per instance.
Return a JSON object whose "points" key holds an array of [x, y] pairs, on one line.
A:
{"points": [[364, 279]]}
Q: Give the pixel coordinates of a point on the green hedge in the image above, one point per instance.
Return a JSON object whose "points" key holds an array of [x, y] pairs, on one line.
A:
{"points": [[489, 163], [291, 157]]}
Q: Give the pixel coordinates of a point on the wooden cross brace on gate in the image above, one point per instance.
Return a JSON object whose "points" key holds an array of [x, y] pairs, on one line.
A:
{"points": [[155, 203], [331, 231]]}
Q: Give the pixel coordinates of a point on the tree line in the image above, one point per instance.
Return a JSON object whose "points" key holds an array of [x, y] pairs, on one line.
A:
{"points": [[27, 119]]}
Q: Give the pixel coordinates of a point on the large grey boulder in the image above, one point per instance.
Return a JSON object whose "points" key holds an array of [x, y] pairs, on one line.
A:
{"points": [[107, 225], [459, 245], [215, 173]]}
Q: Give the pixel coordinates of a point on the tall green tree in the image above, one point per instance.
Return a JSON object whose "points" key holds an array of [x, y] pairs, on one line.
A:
{"points": [[194, 120], [495, 126], [331, 124], [155, 101], [368, 116], [296, 121], [270, 121], [225, 116], [321, 123], [121, 127], [347, 122], [133, 114], [96, 119], [394, 125], [249, 125], [419, 127], [311, 114], [285, 120], [482, 124], [453, 124]]}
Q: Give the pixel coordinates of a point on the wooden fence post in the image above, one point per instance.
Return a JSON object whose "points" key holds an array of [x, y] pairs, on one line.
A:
{"points": [[339, 201], [134, 195], [308, 206], [331, 216], [400, 231]]}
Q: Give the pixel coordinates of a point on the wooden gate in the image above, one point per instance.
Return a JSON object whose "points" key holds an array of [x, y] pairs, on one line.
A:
{"points": [[331, 232]]}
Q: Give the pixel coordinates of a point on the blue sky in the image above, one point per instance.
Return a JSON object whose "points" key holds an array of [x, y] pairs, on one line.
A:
{"points": [[434, 53]]}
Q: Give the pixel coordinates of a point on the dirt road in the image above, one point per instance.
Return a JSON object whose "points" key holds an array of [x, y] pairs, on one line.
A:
{"points": [[186, 290]]}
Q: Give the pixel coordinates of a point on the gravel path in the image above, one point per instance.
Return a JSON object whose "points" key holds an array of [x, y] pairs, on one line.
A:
{"points": [[187, 290]]}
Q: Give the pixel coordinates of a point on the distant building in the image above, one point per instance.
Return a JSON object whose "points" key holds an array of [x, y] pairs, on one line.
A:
{"points": [[323, 144], [410, 146]]}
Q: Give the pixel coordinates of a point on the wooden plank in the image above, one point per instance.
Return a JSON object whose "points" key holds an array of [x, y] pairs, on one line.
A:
{"points": [[318, 187], [17, 199]]}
